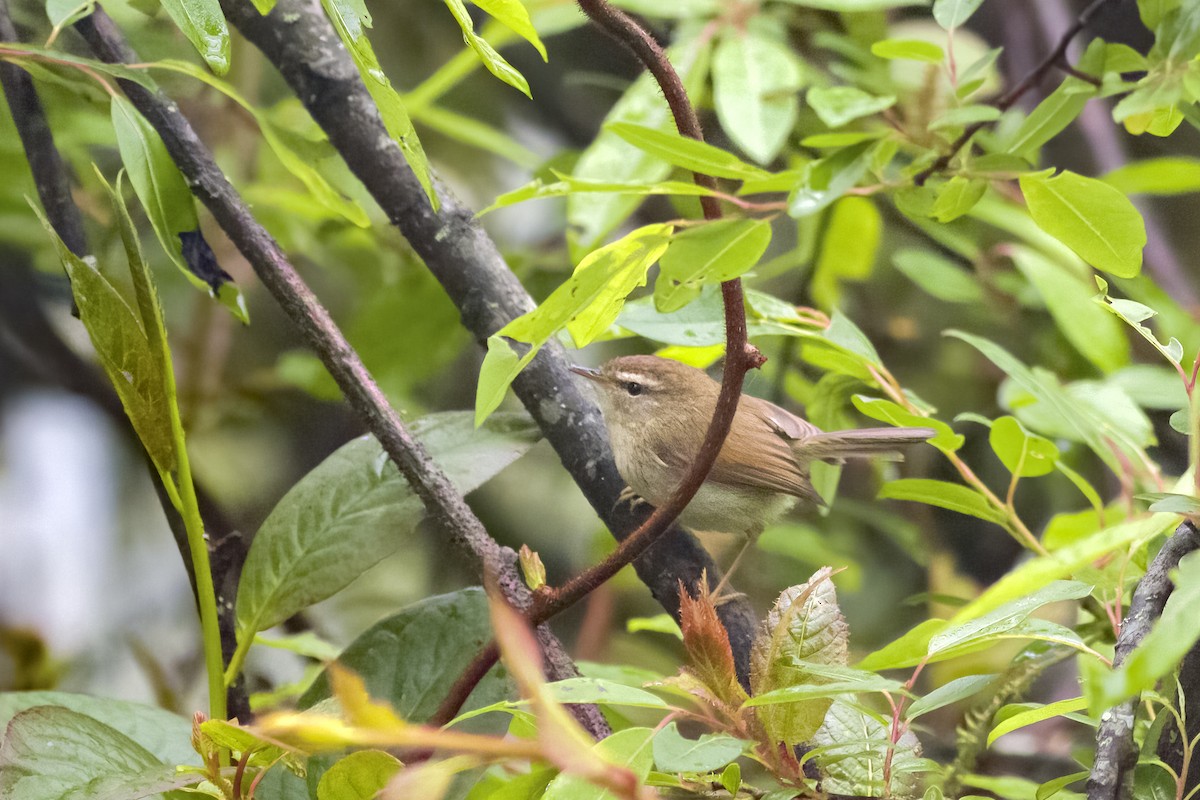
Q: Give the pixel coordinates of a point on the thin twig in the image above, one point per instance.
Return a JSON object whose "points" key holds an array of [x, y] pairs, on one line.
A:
{"points": [[442, 500], [1111, 777], [1055, 58]]}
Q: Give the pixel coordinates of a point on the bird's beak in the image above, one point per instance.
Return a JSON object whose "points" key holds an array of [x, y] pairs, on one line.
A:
{"points": [[587, 372]]}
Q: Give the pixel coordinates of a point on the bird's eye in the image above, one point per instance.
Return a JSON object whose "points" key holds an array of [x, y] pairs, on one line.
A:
{"points": [[634, 388]]}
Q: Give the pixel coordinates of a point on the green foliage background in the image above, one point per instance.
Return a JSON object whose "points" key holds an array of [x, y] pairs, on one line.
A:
{"points": [[1014, 297]]}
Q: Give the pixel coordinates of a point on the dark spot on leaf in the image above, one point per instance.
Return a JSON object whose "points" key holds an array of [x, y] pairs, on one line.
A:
{"points": [[202, 261]]}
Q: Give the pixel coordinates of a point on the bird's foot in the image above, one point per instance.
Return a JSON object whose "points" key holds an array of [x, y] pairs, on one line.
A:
{"points": [[628, 495]]}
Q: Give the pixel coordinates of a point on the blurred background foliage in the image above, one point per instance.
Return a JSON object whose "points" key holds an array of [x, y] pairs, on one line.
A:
{"points": [[75, 501]]}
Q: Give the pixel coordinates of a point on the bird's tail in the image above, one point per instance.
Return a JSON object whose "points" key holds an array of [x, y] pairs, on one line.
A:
{"points": [[862, 443]]}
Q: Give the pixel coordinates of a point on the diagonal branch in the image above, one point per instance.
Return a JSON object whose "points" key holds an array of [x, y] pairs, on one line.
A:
{"points": [[740, 358], [444, 504], [1055, 58], [298, 39]]}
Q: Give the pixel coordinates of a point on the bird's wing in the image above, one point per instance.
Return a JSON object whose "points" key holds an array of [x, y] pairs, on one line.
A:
{"points": [[758, 452]]}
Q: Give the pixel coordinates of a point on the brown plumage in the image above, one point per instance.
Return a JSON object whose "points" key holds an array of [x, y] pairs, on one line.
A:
{"points": [[657, 412]]}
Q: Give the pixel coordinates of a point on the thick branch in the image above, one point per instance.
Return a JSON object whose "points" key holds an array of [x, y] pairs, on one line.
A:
{"points": [[1055, 58], [1116, 756], [740, 357], [442, 501], [299, 40]]}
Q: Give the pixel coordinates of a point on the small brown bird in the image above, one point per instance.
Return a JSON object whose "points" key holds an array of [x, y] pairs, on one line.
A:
{"points": [[657, 412]]}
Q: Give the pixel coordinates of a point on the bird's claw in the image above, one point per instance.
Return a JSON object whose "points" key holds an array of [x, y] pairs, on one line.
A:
{"points": [[628, 495]]}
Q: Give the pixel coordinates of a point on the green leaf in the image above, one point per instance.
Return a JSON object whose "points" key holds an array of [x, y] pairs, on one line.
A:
{"points": [[203, 23], [908, 650], [1035, 573], [963, 116], [1052, 787], [828, 179], [852, 748], [514, 16], [1033, 715], [1005, 617], [296, 163], [1089, 216], [1050, 117], [685, 152], [53, 753], [1168, 503], [659, 623], [1045, 388], [712, 751], [838, 105], [953, 13], [755, 81], [826, 690], [494, 62], [955, 691], [938, 276], [62, 13], [1069, 298], [1169, 175], [164, 195], [160, 732], [1024, 454], [1134, 314], [848, 248], [307, 644], [910, 49], [952, 496], [411, 658], [358, 776], [133, 365], [610, 158], [586, 304], [349, 18], [710, 253], [631, 749], [804, 627], [602, 692], [946, 439], [354, 509], [1163, 647], [956, 197]]}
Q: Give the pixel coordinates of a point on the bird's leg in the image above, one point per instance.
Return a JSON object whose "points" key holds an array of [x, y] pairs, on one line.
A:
{"points": [[717, 596], [628, 495]]}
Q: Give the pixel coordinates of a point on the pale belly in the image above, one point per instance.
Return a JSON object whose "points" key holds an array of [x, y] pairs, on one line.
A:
{"points": [[717, 508]]}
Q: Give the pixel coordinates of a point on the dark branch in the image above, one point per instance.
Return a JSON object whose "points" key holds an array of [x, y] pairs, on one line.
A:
{"points": [[442, 501], [740, 358], [1116, 755], [298, 39], [1055, 58]]}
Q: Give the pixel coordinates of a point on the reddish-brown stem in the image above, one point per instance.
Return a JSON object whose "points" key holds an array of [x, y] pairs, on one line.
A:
{"points": [[740, 357], [1056, 58], [239, 773]]}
